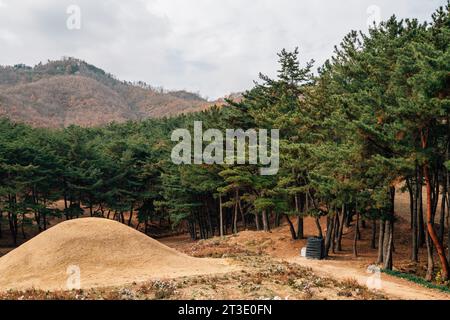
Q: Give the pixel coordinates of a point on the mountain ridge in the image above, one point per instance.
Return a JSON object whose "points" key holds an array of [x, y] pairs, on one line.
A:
{"points": [[71, 91]]}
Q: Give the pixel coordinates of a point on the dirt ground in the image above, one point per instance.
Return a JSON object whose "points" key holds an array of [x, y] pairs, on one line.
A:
{"points": [[270, 267], [258, 277], [341, 265]]}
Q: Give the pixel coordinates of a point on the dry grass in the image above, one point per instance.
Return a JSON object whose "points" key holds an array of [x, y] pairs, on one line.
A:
{"points": [[261, 278], [106, 253]]}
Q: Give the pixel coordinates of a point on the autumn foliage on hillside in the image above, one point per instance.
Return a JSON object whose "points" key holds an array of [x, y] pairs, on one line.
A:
{"points": [[70, 91]]}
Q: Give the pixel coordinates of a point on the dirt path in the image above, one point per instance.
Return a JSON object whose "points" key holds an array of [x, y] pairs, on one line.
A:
{"points": [[393, 287]]}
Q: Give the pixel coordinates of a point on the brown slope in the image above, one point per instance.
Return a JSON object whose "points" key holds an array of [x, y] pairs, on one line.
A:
{"points": [[107, 253], [63, 100], [70, 91]]}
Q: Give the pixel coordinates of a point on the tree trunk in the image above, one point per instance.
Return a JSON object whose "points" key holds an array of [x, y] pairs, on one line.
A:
{"points": [[373, 241], [329, 235], [341, 230], [430, 227], [300, 228], [414, 222], [258, 225], [411, 203], [208, 218], [236, 204], [442, 218], [448, 244], [349, 217], [13, 228], [130, 218], [101, 210], [430, 259], [65, 199], [337, 225], [421, 228], [380, 258], [37, 218], [389, 233], [447, 176], [291, 227], [265, 221], [22, 227], [389, 237], [359, 227], [200, 226], [357, 236], [37, 215], [242, 214], [44, 218], [300, 223], [319, 227], [277, 219], [12, 219], [221, 216]]}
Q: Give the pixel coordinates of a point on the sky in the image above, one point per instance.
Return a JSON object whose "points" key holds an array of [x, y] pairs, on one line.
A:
{"points": [[214, 47]]}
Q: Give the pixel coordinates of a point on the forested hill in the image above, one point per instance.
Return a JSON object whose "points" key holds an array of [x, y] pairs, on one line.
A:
{"points": [[374, 122], [71, 91]]}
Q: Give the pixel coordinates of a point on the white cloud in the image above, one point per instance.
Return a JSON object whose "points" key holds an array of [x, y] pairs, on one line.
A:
{"points": [[9, 38], [215, 47]]}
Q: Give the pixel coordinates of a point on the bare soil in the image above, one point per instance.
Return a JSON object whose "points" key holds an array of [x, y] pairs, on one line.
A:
{"points": [[259, 277], [250, 265]]}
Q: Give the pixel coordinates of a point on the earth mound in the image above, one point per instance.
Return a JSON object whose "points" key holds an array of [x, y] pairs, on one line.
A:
{"points": [[103, 252]]}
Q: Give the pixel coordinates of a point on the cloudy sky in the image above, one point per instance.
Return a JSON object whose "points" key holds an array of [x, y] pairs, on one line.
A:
{"points": [[211, 46]]}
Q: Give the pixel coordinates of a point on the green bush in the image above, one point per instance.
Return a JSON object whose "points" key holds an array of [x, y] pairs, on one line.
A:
{"points": [[418, 280]]}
